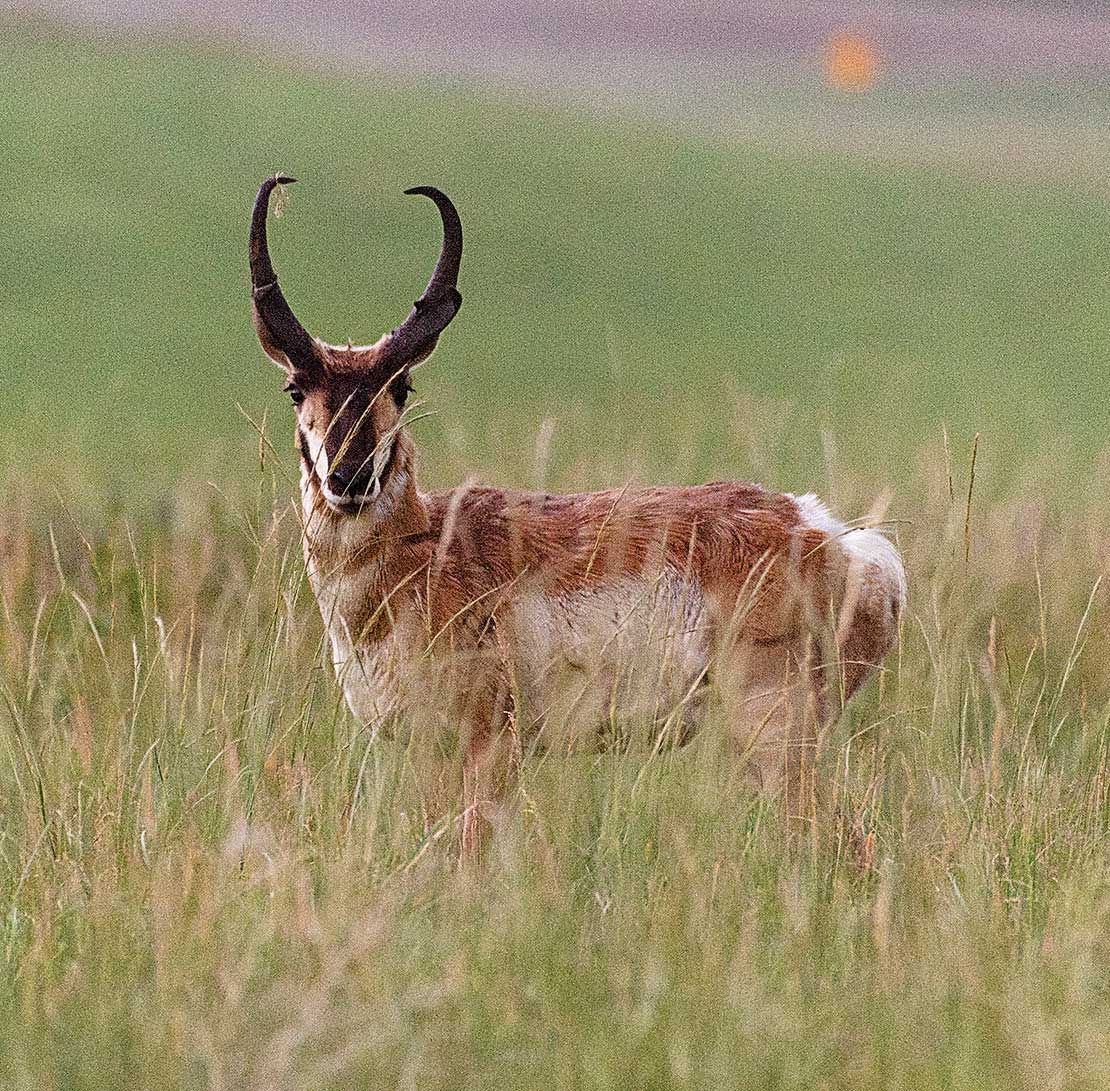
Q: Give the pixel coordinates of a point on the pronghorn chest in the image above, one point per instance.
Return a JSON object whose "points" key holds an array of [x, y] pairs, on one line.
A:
{"points": [[368, 646], [367, 671]]}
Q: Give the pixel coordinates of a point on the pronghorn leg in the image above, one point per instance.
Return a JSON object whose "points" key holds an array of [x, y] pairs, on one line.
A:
{"points": [[473, 796], [866, 639], [488, 759], [778, 708], [488, 768]]}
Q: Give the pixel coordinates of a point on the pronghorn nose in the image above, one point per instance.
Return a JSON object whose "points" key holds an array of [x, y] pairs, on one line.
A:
{"points": [[339, 482]]}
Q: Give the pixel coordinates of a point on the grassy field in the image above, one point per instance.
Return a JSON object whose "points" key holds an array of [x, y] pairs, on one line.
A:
{"points": [[211, 877]]}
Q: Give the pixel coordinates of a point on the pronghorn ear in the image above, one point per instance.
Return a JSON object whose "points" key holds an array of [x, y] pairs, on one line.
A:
{"points": [[307, 362]]}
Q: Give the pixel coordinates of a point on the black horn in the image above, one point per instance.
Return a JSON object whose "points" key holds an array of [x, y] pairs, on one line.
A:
{"points": [[415, 338], [278, 329]]}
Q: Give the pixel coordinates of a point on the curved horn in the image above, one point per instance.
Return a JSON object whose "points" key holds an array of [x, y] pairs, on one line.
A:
{"points": [[278, 329], [415, 338]]}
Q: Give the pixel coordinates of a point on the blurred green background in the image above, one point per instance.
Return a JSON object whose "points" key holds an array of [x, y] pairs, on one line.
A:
{"points": [[640, 281]]}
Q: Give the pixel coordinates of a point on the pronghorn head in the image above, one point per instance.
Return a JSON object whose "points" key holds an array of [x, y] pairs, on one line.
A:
{"points": [[350, 399]]}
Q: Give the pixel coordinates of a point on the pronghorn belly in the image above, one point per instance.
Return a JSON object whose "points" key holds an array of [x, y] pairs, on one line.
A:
{"points": [[610, 659]]}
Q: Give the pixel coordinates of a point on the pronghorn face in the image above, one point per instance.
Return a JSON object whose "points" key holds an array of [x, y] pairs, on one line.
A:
{"points": [[349, 416], [349, 401]]}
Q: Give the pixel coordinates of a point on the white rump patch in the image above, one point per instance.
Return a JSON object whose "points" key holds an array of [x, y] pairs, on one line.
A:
{"points": [[872, 557], [814, 512]]}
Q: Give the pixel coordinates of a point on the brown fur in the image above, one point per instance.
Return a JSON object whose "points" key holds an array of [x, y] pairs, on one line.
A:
{"points": [[480, 545]]}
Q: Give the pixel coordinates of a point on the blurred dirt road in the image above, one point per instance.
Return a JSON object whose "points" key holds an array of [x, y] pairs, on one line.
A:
{"points": [[981, 84]]}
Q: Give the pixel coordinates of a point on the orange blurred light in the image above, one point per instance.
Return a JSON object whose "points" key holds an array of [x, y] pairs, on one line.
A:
{"points": [[851, 62]]}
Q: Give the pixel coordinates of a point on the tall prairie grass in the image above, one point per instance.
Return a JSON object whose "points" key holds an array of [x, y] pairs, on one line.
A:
{"points": [[210, 875]]}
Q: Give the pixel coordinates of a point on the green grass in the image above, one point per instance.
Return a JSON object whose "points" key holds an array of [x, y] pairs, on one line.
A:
{"points": [[210, 876]]}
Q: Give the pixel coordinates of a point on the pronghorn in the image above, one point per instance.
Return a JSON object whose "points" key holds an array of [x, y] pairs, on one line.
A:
{"points": [[507, 612]]}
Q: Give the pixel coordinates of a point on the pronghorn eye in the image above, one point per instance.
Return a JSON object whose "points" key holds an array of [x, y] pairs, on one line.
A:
{"points": [[296, 393]]}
